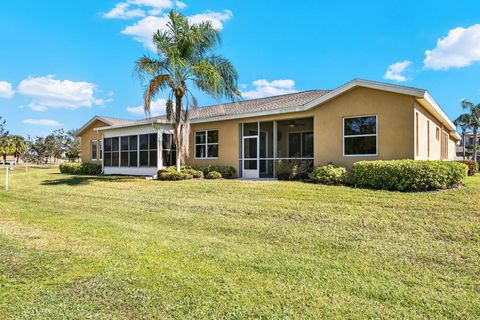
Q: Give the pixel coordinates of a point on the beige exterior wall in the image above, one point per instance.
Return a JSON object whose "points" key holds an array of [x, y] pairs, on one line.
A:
{"points": [[395, 128], [85, 142], [452, 149], [437, 144], [428, 137]]}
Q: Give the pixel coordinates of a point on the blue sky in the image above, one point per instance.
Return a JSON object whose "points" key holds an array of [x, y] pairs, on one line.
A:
{"points": [[62, 62]]}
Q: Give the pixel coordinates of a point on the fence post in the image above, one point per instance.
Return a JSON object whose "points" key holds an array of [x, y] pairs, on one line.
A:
{"points": [[6, 179]]}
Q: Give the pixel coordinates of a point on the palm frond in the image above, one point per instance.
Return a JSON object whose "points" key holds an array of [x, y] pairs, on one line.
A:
{"points": [[216, 76], [156, 84]]}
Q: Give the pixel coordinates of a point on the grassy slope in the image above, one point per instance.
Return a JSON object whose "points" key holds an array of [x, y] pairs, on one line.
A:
{"points": [[128, 248]]}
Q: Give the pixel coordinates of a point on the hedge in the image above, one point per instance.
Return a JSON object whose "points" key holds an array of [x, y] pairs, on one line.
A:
{"points": [[472, 166], [227, 172], [408, 175], [185, 173], [329, 174], [80, 168], [213, 175]]}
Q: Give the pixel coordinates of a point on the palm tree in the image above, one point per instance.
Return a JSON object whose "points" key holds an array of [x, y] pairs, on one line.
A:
{"points": [[474, 112], [19, 146], [185, 59], [464, 122]]}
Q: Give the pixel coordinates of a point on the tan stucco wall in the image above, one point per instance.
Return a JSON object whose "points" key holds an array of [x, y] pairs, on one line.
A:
{"points": [[452, 149], [395, 128], [435, 144], [88, 135]]}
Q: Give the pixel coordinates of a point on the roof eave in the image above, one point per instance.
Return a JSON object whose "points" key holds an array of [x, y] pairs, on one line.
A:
{"points": [[89, 122], [130, 125]]}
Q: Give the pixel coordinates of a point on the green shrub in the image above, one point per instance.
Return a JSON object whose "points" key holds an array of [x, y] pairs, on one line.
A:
{"points": [[80, 168], [171, 174], [196, 174], [213, 175], [472, 166], [329, 174], [227, 172], [408, 175], [294, 169]]}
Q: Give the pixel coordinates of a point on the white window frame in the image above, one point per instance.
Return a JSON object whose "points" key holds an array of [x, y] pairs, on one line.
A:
{"points": [[96, 150], [360, 135], [206, 144]]}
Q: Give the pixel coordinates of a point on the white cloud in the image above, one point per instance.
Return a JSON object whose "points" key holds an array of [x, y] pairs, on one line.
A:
{"points": [[264, 88], [48, 92], [157, 107], [394, 71], [460, 48], [180, 4], [159, 4], [143, 30], [6, 90], [42, 122], [121, 11]]}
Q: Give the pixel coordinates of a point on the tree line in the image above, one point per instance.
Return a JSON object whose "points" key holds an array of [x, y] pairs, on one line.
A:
{"points": [[469, 122], [60, 144]]}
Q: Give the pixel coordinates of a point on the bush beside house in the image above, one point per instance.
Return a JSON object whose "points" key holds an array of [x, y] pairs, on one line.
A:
{"points": [[408, 175], [213, 175], [80, 168], [329, 174], [227, 172], [294, 170], [472, 166]]}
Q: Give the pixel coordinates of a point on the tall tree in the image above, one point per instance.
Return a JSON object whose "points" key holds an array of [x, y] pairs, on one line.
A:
{"points": [[6, 147], [5, 143], [19, 146], [186, 58], [474, 112], [464, 121], [72, 145]]}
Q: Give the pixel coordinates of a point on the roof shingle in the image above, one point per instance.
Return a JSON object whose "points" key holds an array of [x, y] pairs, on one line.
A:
{"points": [[255, 105]]}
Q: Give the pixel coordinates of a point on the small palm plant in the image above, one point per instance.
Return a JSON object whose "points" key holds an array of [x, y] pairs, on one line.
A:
{"points": [[186, 59], [474, 114], [464, 121]]}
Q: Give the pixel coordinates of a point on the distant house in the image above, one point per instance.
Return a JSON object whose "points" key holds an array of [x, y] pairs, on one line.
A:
{"points": [[360, 120], [467, 143]]}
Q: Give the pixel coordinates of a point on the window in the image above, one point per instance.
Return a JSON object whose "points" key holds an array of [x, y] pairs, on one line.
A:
{"points": [[169, 155], [93, 149], [148, 150], [206, 144], [131, 151], [437, 133], [300, 145], [360, 136], [100, 152]]}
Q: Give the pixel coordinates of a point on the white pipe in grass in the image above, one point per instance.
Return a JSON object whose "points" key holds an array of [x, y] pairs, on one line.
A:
{"points": [[6, 178]]}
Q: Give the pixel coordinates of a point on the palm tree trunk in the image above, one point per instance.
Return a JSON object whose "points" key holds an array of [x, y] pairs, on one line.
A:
{"points": [[475, 143], [463, 139], [178, 131]]}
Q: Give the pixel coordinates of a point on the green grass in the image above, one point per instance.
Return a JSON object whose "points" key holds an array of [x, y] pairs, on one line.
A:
{"points": [[127, 248]]}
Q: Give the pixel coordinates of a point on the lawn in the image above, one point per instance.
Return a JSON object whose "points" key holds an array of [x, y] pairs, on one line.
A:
{"points": [[127, 248]]}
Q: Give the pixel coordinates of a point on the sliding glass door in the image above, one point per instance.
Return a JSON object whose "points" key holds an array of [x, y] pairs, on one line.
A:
{"points": [[267, 145]]}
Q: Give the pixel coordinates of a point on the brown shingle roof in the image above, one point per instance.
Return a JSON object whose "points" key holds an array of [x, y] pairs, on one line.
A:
{"points": [[115, 121], [255, 105]]}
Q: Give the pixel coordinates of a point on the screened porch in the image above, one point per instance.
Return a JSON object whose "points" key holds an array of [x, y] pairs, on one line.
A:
{"points": [[264, 145]]}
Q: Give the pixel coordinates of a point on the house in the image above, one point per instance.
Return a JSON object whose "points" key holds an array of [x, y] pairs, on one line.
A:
{"points": [[468, 143], [360, 120]]}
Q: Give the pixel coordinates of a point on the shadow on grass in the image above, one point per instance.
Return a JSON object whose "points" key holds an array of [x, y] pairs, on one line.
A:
{"points": [[81, 180]]}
